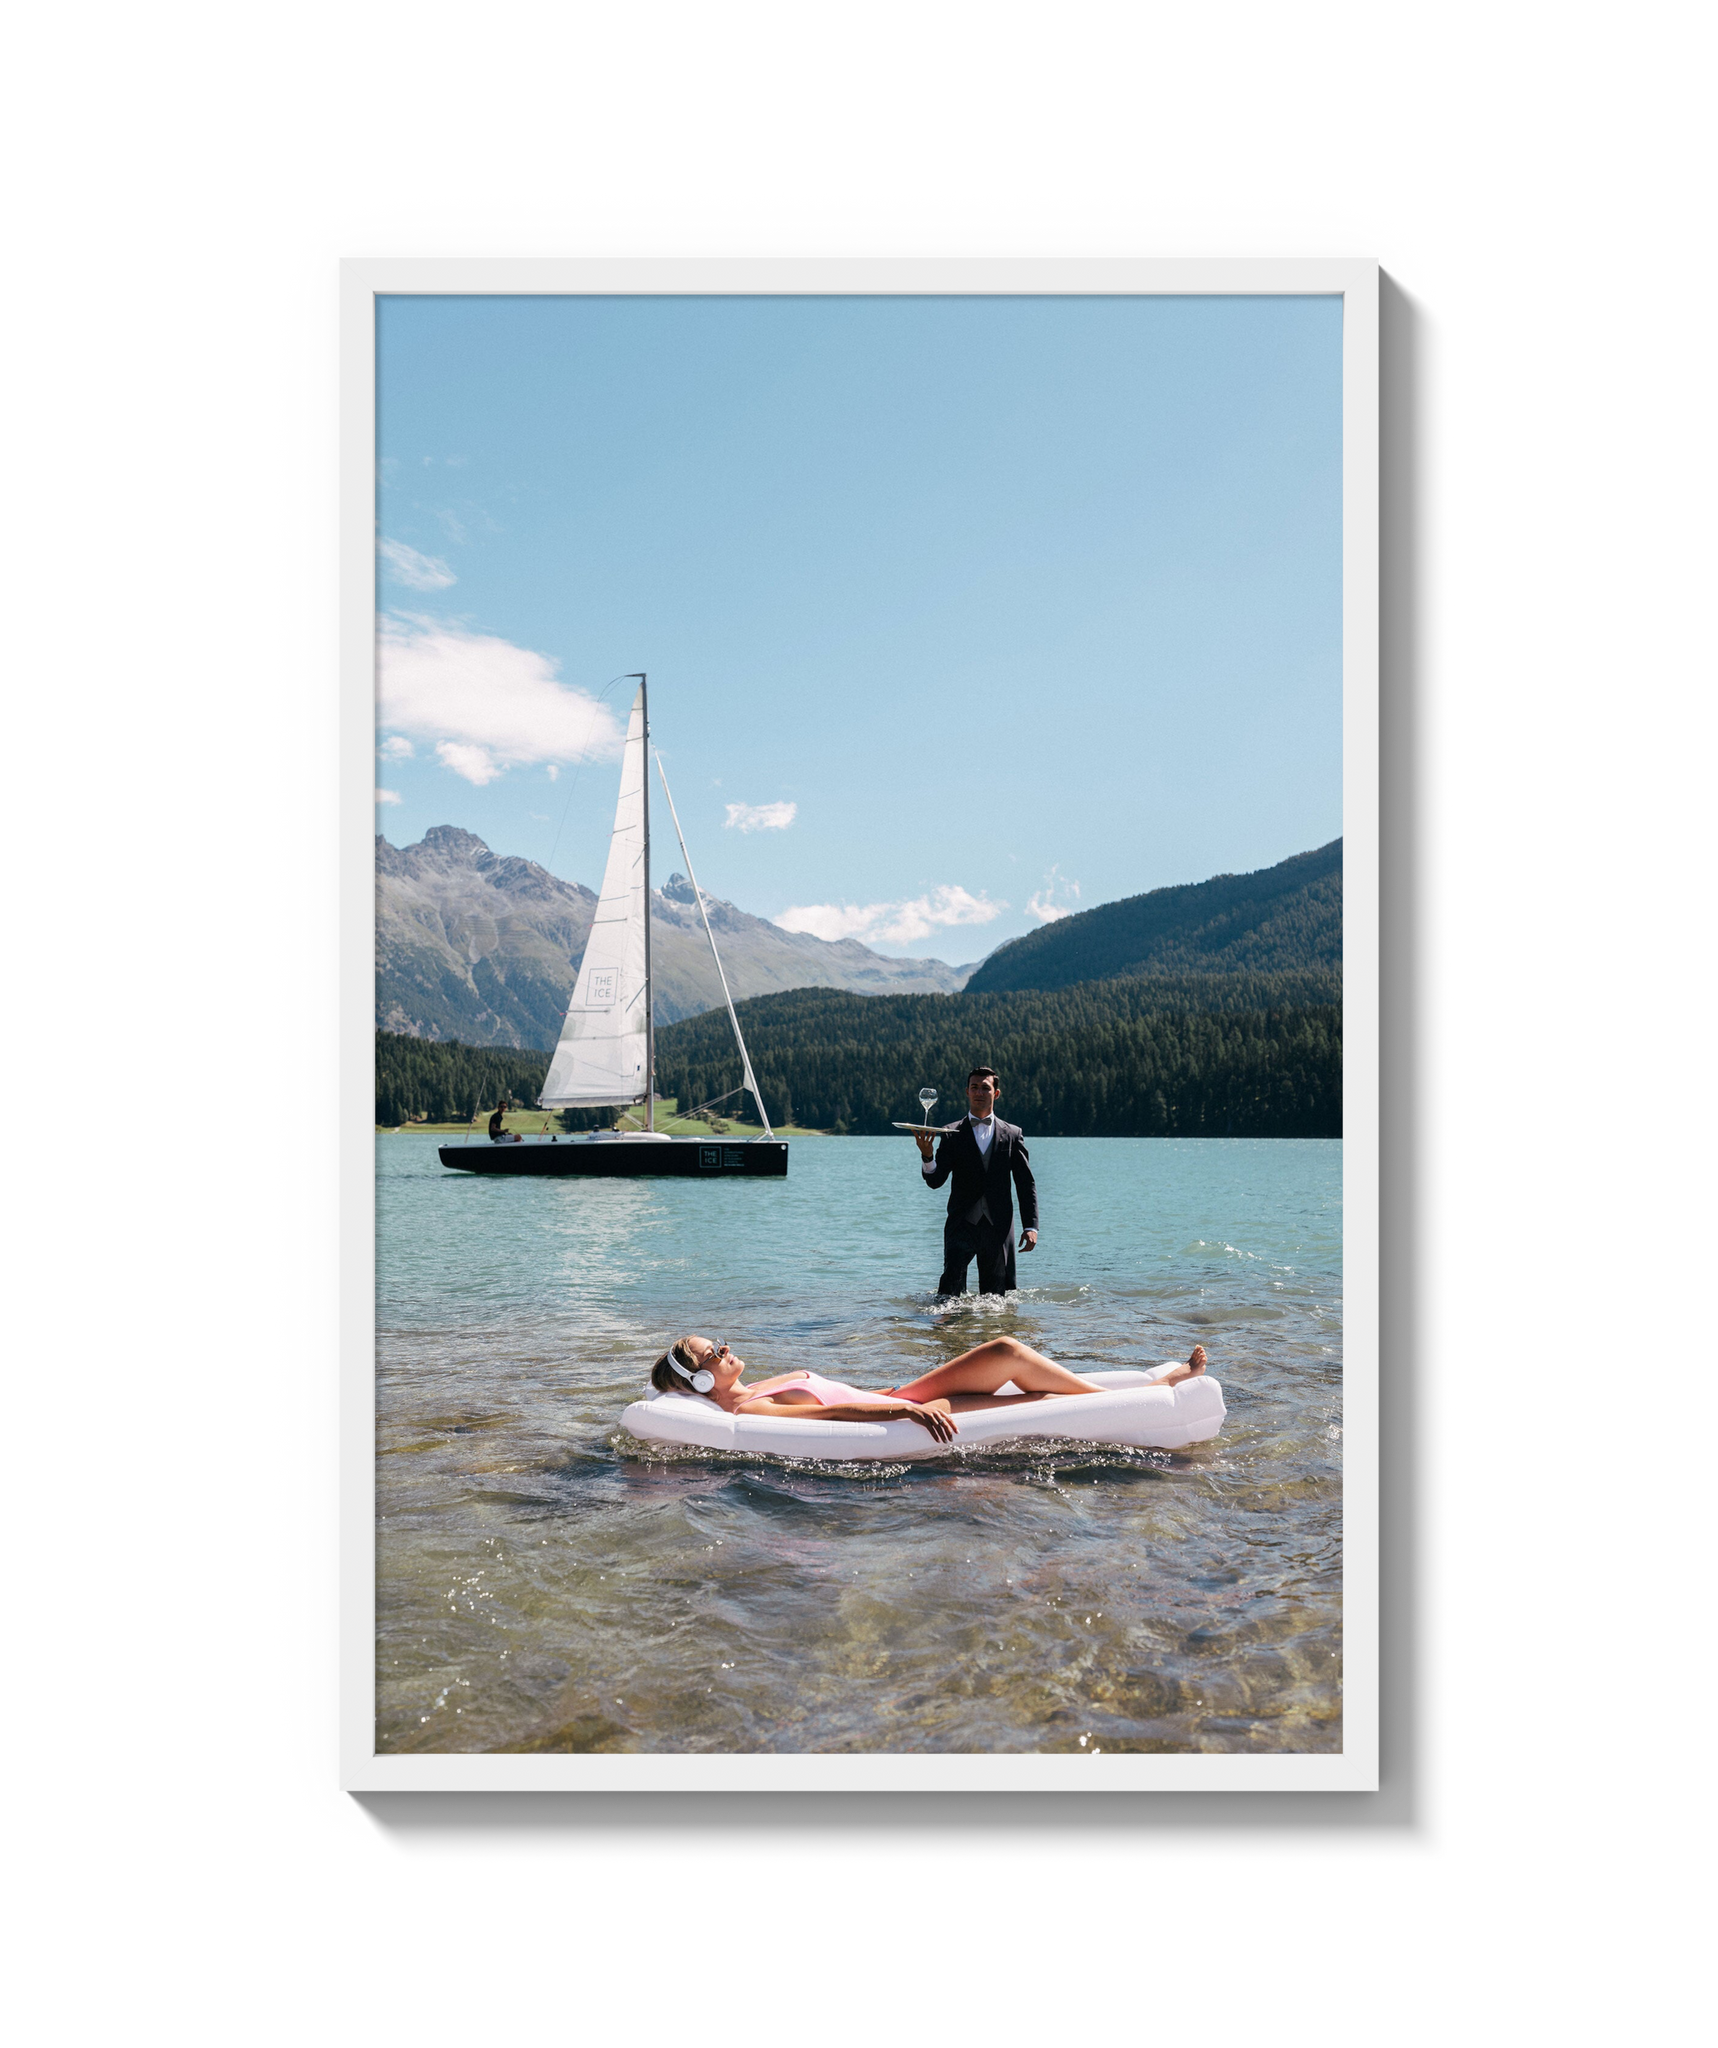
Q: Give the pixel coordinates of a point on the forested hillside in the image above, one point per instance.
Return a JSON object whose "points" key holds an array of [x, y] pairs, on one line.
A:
{"points": [[1283, 919], [444, 1082], [1161, 1056], [1150, 1056]]}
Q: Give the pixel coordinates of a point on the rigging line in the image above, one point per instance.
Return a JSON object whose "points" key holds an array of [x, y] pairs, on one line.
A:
{"points": [[750, 1079], [685, 1116], [566, 808]]}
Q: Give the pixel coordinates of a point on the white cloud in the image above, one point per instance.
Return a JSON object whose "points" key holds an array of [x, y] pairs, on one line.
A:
{"points": [[484, 704], [892, 924], [1043, 904], [554, 772], [419, 572], [761, 817], [832, 920], [397, 749], [388, 796], [476, 764]]}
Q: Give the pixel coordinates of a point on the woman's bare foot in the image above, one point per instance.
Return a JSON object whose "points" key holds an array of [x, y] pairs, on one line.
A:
{"points": [[1191, 1370]]}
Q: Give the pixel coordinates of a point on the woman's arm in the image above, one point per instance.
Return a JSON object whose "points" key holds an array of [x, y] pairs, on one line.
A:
{"points": [[933, 1416]]}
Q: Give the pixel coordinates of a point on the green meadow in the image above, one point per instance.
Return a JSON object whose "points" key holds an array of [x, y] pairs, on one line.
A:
{"points": [[533, 1123]]}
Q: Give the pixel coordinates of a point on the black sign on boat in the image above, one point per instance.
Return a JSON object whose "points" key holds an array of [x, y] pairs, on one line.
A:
{"points": [[606, 1058]]}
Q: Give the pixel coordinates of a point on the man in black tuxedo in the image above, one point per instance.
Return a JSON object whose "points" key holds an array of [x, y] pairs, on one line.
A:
{"points": [[986, 1160]]}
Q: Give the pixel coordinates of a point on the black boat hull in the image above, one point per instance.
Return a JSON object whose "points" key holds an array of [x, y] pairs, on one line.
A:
{"points": [[696, 1158]]}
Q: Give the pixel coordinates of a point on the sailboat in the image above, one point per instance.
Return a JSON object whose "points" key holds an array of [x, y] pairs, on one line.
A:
{"points": [[606, 1058]]}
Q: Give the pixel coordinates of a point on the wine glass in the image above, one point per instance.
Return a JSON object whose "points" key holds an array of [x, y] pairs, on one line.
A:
{"points": [[926, 1097]]}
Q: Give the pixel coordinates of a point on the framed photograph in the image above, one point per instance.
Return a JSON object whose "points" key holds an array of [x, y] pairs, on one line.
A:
{"points": [[860, 869]]}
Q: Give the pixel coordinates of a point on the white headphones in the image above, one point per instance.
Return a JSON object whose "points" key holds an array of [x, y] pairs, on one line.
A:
{"points": [[702, 1381]]}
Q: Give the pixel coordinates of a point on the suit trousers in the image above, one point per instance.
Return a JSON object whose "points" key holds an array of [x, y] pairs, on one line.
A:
{"points": [[993, 1249]]}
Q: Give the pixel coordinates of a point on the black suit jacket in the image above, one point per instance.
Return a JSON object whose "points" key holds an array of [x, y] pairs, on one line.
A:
{"points": [[973, 1174]]}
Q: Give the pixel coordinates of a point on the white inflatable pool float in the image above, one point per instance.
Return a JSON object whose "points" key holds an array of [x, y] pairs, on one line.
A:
{"points": [[1132, 1409]]}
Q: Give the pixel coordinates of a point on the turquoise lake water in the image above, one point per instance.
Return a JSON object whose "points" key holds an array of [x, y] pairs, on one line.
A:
{"points": [[546, 1582]]}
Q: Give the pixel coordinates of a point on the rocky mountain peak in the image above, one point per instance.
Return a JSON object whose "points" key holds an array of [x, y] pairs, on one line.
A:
{"points": [[484, 947], [451, 843]]}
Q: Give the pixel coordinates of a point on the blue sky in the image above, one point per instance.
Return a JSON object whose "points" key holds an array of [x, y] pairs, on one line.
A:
{"points": [[958, 613]]}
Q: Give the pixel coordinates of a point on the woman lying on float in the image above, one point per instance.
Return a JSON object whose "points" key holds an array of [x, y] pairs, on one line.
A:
{"points": [[694, 1365]]}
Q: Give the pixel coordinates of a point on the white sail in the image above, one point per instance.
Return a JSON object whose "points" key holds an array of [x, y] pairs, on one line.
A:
{"points": [[603, 1058]]}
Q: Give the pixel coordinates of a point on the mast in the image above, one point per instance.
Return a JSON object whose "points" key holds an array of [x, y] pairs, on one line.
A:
{"points": [[750, 1079], [649, 994]]}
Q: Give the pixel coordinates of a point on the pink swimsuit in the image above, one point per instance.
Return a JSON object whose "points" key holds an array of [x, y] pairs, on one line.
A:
{"points": [[833, 1394]]}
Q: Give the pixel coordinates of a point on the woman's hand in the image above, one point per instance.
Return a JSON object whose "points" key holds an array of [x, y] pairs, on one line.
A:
{"points": [[936, 1416]]}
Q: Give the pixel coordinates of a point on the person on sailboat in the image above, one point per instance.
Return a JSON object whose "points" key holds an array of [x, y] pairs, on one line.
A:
{"points": [[986, 1160], [695, 1365], [498, 1135]]}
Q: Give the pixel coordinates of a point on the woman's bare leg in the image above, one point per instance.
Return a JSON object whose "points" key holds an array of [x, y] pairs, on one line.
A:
{"points": [[989, 1366]]}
